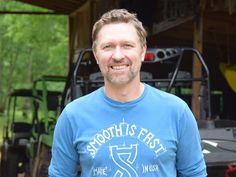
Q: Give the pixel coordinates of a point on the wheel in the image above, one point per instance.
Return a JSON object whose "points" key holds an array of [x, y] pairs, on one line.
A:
{"points": [[43, 168], [3, 163], [42, 162], [12, 164], [9, 163]]}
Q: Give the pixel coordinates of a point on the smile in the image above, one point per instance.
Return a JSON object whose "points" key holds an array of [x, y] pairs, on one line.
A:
{"points": [[119, 67]]}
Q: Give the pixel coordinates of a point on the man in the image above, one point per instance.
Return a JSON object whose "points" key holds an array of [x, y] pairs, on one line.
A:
{"points": [[126, 128]]}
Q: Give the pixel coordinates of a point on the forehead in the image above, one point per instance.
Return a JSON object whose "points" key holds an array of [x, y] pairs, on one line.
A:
{"points": [[116, 31]]}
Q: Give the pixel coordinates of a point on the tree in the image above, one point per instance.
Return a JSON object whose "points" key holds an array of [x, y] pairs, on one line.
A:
{"points": [[31, 46]]}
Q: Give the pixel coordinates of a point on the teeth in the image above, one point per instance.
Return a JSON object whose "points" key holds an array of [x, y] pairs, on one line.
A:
{"points": [[119, 67]]}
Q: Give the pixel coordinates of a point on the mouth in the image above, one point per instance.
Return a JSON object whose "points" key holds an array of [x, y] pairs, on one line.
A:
{"points": [[119, 67]]}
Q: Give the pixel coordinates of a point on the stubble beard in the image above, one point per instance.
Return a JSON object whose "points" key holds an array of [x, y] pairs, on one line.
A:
{"points": [[117, 79], [122, 79]]}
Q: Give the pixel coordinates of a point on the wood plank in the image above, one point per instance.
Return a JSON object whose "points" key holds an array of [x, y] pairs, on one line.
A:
{"points": [[197, 68]]}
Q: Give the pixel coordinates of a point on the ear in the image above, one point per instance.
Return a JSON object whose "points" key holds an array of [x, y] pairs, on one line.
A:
{"points": [[144, 52], [95, 56]]}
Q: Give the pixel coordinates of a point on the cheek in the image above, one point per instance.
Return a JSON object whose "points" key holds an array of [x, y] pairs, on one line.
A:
{"points": [[102, 64], [103, 59]]}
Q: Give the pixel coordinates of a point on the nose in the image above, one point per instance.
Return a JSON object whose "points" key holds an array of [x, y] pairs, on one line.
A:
{"points": [[118, 54]]}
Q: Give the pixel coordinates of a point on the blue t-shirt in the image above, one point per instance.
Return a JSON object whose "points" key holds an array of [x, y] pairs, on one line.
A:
{"points": [[152, 136]]}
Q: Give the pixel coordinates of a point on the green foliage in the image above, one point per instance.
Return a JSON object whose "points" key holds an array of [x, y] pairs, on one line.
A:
{"points": [[30, 46], [19, 6]]}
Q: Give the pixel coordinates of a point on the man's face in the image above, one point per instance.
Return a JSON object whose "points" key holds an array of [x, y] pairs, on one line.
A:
{"points": [[119, 53]]}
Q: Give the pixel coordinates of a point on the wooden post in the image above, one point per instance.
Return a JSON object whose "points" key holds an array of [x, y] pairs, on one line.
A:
{"points": [[197, 68], [79, 30]]}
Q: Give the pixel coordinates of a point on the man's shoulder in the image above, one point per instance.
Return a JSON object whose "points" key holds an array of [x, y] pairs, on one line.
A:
{"points": [[164, 96], [86, 99]]}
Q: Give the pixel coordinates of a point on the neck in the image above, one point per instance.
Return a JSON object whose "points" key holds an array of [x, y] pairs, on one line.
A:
{"points": [[124, 93]]}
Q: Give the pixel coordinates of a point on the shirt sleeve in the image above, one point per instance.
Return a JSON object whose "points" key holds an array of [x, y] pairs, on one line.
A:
{"points": [[190, 159], [64, 162]]}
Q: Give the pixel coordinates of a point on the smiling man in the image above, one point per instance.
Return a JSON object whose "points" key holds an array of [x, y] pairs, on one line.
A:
{"points": [[125, 128], [119, 56]]}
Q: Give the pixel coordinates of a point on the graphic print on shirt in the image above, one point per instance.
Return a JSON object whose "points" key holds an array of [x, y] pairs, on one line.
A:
{"points": [[124, 157], [123, 142]]}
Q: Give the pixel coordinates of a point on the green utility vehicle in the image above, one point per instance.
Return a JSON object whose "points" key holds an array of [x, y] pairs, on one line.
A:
{"points": [[48, 105], [28, 131], [17, 132]]}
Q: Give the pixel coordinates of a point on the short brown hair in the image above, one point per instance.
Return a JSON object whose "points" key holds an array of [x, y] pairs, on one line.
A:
{"points": [[119, 16]]}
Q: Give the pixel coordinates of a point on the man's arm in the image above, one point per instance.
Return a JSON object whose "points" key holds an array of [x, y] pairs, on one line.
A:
{"points": [[190, 159], [64, 160]]}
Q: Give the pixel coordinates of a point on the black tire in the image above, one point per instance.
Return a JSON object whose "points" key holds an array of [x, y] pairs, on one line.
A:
{"points": [[3, 169], [3, 163], [41, 169], [12, 164]]}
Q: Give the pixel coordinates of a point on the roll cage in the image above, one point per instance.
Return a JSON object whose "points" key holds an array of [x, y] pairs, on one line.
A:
{"points": [[86, 76]]}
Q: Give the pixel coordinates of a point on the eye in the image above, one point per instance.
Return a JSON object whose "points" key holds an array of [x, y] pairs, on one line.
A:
{"points": [[107, 46], [127, 46]]}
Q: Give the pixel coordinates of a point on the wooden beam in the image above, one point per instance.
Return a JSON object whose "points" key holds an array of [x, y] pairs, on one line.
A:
{"points": [[167, 24], [31, 13], [197, 68], [65, 6]]}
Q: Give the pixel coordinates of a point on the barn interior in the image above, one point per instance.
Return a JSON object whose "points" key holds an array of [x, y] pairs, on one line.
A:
{"points": [[208, 26]]}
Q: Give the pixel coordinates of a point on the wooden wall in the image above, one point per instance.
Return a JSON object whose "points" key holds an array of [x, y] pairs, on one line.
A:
{"points": [[81, 23]]}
